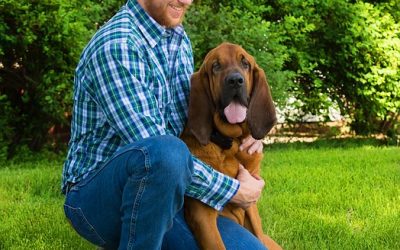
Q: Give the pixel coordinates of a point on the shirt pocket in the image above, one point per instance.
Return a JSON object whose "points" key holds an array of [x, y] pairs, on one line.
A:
{"points": [[162, 92]]}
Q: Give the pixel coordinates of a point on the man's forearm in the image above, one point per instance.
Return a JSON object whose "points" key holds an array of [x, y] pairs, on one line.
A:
{"points": [[210, 186]]}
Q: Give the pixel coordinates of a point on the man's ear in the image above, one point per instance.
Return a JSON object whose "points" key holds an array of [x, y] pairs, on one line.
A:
{"points": [[201, 107], [261, 115]]}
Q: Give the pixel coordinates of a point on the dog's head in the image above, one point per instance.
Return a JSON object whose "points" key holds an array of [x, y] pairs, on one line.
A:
{"points": [[230, 83]]}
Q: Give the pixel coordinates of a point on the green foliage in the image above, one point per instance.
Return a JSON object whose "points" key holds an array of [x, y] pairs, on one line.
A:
{"points": [[371, 57], [7, 132], [41, 43], [344, 53], [39, 48]]}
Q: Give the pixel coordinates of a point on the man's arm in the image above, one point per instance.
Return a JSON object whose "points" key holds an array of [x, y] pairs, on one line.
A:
{"points": [[212, 187]]}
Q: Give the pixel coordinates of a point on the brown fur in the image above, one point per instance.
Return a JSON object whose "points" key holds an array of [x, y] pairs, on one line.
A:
{"points": [[205, 116]]}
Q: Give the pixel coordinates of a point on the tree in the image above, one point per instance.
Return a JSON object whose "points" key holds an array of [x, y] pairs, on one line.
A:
{"points": [[344, 53]]}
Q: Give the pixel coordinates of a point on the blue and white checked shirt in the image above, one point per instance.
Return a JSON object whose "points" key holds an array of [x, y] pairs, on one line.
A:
{"points": [[133, 82]]}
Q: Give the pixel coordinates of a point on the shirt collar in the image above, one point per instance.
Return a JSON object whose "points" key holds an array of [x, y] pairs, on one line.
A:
{"points": [[151, 30]]}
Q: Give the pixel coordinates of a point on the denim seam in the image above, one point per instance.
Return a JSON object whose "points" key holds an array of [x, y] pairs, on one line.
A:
{"points": [[136, 203], [92, 229]]}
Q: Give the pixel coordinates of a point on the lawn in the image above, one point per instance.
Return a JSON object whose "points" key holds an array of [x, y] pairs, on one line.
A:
{"points": [[323, 195], [332, 195]]}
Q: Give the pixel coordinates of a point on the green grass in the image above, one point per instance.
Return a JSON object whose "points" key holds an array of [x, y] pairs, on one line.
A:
{"points": [[31, 208], [323, 195], [332, 195]]}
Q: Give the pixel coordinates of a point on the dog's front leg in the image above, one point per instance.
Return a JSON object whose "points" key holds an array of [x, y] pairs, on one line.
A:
{"points": [[253, 223], [202, 220]]}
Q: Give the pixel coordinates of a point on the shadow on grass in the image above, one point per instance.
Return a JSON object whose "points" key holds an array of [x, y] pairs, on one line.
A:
{"points": [[329, 143]]}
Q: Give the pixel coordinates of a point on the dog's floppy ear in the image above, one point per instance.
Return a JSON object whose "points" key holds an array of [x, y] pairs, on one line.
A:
{"points": [[261, 114], [201, 108]]}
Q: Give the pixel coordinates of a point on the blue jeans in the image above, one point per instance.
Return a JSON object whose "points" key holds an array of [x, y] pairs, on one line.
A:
{"points": [[234, 236], [132, 202]]}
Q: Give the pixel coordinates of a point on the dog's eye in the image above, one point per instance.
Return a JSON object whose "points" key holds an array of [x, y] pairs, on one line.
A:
{"points": [[216, 67], [245, 64]]}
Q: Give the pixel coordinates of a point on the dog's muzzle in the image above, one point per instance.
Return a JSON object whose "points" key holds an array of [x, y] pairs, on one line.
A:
{"points": [[234, 89]]}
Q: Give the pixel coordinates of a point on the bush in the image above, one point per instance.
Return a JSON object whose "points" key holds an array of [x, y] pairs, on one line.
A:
{"points": [[39, 48], [346, 54], [41, 43], [370, 57], [6, 133]]}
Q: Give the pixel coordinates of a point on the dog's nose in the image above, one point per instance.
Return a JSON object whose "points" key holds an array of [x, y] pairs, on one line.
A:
{"points": [[235, 80]]}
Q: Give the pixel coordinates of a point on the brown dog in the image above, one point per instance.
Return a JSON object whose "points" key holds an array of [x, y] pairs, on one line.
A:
{"points": [[229, 100]]}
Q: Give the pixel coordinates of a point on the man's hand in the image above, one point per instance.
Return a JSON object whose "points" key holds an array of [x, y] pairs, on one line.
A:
{"points": [[250, 189], [252, 145]]}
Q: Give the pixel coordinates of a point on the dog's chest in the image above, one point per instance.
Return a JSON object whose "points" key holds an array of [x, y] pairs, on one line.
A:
{"points": [[224, 161]]}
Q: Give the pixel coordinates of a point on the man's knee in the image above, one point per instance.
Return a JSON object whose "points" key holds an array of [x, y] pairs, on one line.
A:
{"points": [[171, 157]]}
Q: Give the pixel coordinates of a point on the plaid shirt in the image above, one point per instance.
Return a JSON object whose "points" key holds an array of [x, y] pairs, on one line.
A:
{"points": [[132, 82]]}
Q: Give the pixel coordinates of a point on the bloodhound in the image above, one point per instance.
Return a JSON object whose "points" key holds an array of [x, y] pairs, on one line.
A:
{"points": [[229, 100]]}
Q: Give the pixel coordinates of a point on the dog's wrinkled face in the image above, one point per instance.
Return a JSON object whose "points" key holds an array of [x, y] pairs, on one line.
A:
{"points": [[229, 71], [231, 84]]}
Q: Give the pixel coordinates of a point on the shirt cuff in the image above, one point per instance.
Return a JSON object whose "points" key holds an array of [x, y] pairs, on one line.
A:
{"points": [[210, 186]]}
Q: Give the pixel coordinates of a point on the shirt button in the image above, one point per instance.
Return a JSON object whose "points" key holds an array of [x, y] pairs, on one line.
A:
{"points": [[167, 33]]}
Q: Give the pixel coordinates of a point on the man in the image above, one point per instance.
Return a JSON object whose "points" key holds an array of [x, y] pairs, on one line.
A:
{"points": [[127, 171]]}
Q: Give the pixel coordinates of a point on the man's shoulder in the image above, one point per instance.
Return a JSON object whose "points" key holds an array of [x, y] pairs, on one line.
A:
{"points": [[119, 30]]}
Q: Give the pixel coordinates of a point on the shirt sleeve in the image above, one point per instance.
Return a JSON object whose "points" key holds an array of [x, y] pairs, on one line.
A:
{"points": [[120, 84], [210, 186]]}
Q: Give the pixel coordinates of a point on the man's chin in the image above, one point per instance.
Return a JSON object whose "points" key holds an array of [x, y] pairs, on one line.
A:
{"points": [[172, 23]]}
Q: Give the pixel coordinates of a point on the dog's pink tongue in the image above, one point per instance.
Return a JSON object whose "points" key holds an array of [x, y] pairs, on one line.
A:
{"points": [[235, 113]]}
